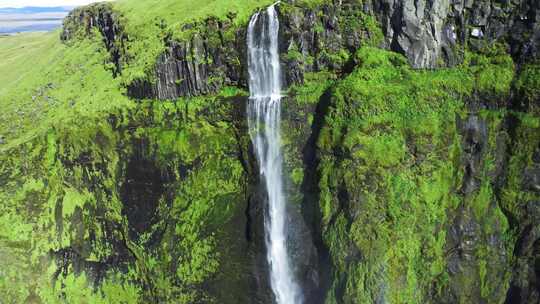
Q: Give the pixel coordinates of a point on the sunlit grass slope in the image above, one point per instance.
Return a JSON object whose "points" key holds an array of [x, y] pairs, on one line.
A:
{"points": [[149, 22], [44, 83], [21, 54]]}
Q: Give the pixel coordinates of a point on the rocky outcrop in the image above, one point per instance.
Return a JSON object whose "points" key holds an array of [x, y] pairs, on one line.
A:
{"points": [[208, 59], [102, 17], [430, 33], [323, 37]]}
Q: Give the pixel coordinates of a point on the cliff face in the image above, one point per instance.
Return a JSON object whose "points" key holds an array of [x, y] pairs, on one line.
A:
{"points": [[412, 162], [82, 21], [209, 58], [212, 53], [429, 33]]}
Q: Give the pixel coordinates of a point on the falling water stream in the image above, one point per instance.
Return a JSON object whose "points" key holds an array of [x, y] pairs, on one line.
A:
{"points": [[264, 117]]}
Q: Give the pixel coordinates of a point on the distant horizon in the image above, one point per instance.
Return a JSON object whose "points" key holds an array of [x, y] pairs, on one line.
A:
{"points": [[4, 4], [32, 18], [35, 7]]}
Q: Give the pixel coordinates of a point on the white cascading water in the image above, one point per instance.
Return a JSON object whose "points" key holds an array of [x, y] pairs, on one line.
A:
{"points": [[264, 117]]}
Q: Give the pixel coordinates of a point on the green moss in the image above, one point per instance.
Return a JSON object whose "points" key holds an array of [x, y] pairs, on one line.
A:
{"points": [[526, 140], [528, 87], [366, 24], [77, 289], [528, 83], [297, 176], [391, 172], [335, 59], [314, 86]]}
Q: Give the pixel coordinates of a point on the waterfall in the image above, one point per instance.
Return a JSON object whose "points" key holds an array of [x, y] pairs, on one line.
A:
{"points": [[264, 117]]}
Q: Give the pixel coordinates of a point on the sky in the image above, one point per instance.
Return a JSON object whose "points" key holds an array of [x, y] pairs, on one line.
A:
{"points": [[23, 3]]}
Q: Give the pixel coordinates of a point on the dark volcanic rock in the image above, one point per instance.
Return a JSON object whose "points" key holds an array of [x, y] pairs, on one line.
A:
{"points": [[474, 132], [525, 286], [418, 29], [260, 291], [531, 179], [320, 38], [203, 63]]}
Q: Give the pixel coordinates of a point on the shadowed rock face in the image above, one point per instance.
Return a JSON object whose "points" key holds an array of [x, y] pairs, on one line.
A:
{"points": [[474, 132], [525, 287], [428, 31], [144, 185]]}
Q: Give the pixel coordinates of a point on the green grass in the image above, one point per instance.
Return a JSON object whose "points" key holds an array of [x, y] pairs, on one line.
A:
{"points": [[57, 85], [391, 143]]}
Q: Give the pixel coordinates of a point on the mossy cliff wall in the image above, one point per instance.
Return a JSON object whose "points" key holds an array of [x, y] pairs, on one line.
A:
{"points": [[406, 185]]}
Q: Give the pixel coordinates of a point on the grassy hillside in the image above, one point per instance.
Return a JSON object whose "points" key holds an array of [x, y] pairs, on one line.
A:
{"points": [[21, 54]]}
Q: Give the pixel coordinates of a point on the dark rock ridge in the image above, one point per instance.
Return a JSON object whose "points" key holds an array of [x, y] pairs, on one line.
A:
{"points": [[213, 54], [322, 38], [102, 17]]}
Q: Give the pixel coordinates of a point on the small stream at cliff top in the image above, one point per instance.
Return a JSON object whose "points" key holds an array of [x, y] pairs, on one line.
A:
{"points": [[264, 118]]}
